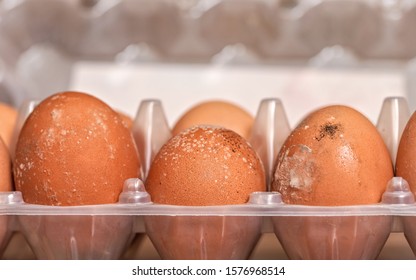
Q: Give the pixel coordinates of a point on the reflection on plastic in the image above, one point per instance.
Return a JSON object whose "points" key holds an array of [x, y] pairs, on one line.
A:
{"points": [[391, 122], [398, 192], [150, 131], [24, 111], [269, 131], [134, 192]]}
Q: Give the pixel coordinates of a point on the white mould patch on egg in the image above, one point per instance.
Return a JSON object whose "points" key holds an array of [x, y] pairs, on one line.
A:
{"points": [[30, 165], [296, 169], [100, 120], [19, 173], [56, 115], [50, 137], [112, 152], [58, 96], [39, 153]]}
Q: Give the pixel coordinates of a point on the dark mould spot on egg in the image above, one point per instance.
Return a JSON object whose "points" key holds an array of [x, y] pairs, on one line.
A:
{"points": [[328, 130]]}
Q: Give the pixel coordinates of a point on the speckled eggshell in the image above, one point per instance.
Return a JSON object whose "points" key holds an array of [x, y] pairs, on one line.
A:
{"points": [[335, 156], [74, 150], [219, 113], [205, 165], [5, 168], [127, 120], [406, 154]]}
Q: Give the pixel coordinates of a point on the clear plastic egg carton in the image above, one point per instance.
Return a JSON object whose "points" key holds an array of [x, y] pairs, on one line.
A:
{"points": [[45, 38], [217, 232], [41, 41], [200, 29]]}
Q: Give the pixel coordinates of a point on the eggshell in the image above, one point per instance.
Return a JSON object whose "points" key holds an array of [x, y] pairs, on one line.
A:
{"points": [[219, 113], [335, 156], [74, 150], [406, 154], [205, 165], [8, 117], [5, 168], [127, 120]]}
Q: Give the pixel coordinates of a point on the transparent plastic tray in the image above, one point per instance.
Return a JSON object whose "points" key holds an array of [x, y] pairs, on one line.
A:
{"points": [[217, 232]]}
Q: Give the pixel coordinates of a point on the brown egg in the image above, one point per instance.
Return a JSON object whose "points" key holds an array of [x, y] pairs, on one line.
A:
{"points": [[406, 154], [219, 113], [5, 168], [335, 156], [74, 150], [205, 165], [8, 117]]}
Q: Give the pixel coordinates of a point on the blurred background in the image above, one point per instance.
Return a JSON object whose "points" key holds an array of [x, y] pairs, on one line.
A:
{"points": [[306, 52]]}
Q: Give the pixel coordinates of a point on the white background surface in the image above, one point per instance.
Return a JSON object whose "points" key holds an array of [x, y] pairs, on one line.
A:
{"points": [[179, 87], [123, 269]]}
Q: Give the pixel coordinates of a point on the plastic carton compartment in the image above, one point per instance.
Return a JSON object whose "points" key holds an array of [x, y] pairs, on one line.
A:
{"points": [[77, 237], [6, 221], [352, 237], [5, 232], [409, 231], [217, 232], [204, 237]]}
